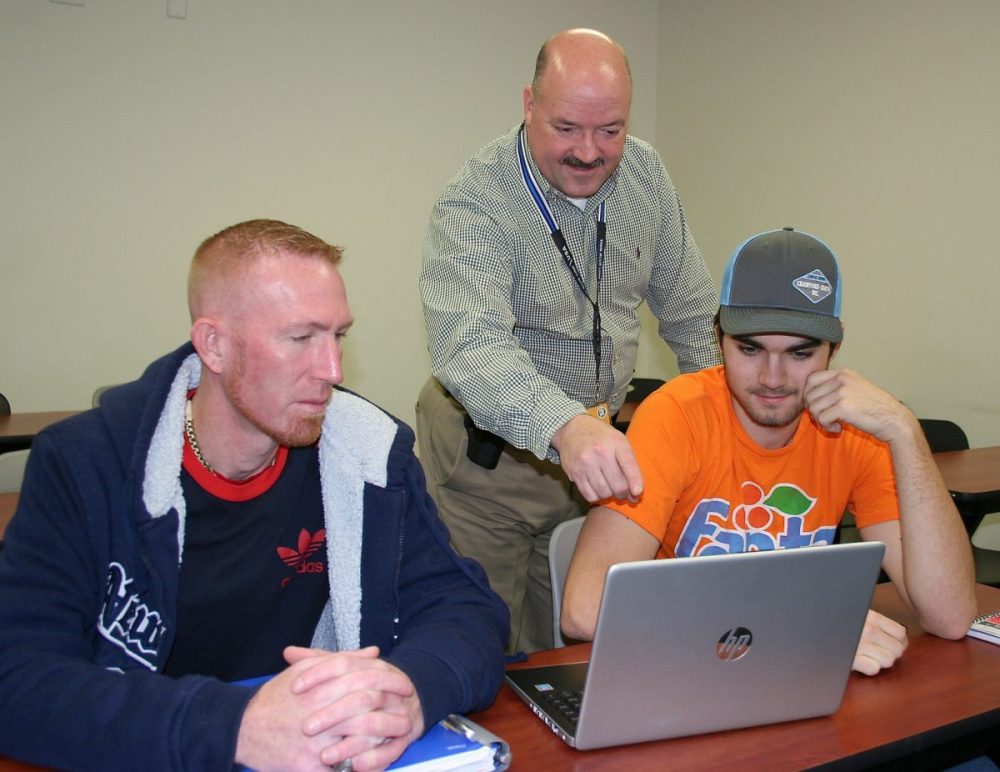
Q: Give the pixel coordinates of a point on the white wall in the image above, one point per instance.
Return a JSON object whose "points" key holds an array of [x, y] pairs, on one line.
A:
{"points": [[128, 137], [874, 124]]}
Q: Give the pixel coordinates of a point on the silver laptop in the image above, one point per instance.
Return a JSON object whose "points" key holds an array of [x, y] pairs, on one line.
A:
{"points": [[694, 645]]}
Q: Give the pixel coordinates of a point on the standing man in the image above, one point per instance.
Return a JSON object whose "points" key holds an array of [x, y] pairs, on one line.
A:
{"points": [[537, 257], [229, 516], [769, 450]]}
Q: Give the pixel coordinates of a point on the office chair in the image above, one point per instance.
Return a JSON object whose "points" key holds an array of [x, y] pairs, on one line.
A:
{"points": [[561, 546], [4, 405], [943, 436], [848, 533], [12, 470], [96, 399]]}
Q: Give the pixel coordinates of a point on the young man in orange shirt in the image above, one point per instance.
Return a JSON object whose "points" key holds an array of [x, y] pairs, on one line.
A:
{"points": [[770, 449]]}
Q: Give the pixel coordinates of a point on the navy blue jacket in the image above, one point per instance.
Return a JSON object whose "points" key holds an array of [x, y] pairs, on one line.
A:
{"points": [[89, 577]]}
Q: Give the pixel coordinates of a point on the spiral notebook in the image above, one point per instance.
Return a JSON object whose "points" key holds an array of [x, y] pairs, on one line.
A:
{"points": [[986, 627], [455, 744], [692, 645]]}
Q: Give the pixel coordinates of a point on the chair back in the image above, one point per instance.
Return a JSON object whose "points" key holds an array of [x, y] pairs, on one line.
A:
{"points": [[4, 405], [12, 470], [638, 390], [943, 435], [95, 401], [561, 546]]}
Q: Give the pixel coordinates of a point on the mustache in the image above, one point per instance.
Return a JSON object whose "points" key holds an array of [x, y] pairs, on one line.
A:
{"points": [[576, 163]]}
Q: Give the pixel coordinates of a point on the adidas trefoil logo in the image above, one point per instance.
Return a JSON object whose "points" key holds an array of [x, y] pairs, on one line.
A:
{"points": [[298, 558]]}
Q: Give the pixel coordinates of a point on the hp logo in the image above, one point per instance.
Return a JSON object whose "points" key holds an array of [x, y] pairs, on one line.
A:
{"points": [[734, 644]]}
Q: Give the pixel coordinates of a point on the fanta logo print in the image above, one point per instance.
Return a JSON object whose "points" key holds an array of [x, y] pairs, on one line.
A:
{"points": [[128, 622], [298, 558], [761, 522]]}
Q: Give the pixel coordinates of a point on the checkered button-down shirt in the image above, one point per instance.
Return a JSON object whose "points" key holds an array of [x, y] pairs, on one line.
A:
{"points": [[510, 332]]}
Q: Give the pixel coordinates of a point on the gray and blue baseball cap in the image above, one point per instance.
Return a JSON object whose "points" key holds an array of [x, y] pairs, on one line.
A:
{"points": [[782, 281]]}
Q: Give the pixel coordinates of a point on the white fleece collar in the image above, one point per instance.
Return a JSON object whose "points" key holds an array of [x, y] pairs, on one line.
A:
{"points": [[161, 484], [353, 450]]}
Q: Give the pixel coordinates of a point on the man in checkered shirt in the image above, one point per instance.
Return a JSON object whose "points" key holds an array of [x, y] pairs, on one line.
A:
{"points": [[537, 256]]}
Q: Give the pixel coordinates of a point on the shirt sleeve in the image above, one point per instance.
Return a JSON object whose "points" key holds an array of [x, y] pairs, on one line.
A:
{"points": [[682, 294], [453, 627], [874, 498], [58, 706], [660, 437], [466, 284]]}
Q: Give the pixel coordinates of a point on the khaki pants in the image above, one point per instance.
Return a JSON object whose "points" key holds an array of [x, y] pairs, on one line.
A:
{"points": [[501, 517]]}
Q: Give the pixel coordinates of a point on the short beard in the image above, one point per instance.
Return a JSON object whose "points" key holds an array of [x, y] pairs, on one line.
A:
{"points": [[303, 432], [772, 420]]}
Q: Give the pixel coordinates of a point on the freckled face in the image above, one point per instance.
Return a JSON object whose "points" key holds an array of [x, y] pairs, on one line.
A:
{"points": [[285, 356]]}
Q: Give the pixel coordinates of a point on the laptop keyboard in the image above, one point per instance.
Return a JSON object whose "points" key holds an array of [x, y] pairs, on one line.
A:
{"points": [[566, 702]]}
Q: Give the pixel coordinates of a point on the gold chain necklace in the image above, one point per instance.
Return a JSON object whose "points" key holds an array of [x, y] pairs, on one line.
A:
{"points": [[192, 440]]}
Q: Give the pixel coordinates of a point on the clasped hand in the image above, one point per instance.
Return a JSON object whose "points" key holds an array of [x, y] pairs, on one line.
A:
{"points": [[327, 707]]}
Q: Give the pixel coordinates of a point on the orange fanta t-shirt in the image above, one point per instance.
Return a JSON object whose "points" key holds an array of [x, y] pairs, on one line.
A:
{"points": [[710, 489]]}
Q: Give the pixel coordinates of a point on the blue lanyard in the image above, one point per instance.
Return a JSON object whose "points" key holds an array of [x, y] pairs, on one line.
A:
{"points": [[567, 254]]}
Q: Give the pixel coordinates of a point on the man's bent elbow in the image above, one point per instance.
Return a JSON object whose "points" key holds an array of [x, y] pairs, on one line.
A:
{"points": [[953, 624], [576, 623]]}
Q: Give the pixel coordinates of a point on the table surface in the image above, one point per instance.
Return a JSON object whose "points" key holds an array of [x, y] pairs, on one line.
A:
{"points": [[8, 503], [970, 472], [939, 690], [17, 430]]}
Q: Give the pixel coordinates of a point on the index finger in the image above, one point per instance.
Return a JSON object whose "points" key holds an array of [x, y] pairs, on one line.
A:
{"points": [[629, 466], [818, 377]]}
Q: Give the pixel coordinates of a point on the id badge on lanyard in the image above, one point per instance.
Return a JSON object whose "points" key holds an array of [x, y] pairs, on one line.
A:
{"points": [[600, 410]]}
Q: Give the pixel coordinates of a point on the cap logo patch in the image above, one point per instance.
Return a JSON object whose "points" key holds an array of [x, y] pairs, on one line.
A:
{"points": [[814, 285]]}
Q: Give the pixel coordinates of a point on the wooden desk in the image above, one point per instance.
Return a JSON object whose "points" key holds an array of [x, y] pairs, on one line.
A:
{"points": [[973, 477], [8, 504], [939, 691], [17, 430]]}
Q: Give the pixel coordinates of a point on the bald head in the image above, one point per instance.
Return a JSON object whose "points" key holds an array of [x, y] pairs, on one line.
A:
{"points": [[576, 110], [585, 54]]}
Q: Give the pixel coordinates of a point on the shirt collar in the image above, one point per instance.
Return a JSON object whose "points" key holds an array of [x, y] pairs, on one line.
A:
{"points": [[551, 192]]}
